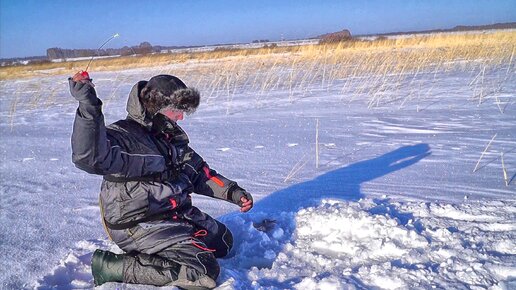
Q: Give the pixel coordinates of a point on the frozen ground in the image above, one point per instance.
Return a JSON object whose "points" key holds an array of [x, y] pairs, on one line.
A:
{"points": [[394, 202]]}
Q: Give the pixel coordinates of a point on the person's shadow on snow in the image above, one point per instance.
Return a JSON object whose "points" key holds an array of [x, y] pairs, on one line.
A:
{"points": [[261, 246], [343, 183]]}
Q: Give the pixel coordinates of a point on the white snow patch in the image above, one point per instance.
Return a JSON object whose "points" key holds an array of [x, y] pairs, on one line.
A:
{"points": [[344, 245]]}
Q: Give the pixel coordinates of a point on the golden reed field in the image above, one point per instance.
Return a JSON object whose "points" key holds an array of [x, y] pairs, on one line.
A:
{"points": [[383, 71], [340, 60]]}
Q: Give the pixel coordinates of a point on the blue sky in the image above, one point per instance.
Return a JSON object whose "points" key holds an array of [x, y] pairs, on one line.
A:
{"points": [[28, 28]]}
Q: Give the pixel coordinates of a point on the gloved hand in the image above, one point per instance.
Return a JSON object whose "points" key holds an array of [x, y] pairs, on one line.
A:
{"points": [[83, 77], [82, 90], [243, 198], [162, 124]]}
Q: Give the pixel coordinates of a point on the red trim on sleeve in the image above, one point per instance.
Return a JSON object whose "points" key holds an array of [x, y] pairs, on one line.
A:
{"points": [[207, 171], [213, 178]]}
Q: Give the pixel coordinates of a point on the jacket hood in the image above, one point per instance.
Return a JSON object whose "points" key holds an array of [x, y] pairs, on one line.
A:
{"points": [[135, 109]]}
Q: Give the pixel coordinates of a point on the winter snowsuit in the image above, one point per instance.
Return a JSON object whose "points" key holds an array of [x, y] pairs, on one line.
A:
{"points": [[145, 195]]}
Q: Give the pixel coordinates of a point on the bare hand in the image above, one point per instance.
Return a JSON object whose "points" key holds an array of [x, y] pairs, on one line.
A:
{"points": [[246, 204]]}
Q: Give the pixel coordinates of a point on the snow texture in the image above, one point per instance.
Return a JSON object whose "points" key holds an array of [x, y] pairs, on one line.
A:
{"points": [[393, 203]]}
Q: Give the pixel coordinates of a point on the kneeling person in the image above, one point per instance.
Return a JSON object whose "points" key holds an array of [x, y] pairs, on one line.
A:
{"points": [[149, 172]]}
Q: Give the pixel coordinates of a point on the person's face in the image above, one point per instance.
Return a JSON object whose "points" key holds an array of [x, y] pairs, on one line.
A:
{"points": [[174, 115]]}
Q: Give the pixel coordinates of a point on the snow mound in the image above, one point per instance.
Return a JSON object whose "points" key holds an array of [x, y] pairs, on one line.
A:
{"points": [[374, 243]]}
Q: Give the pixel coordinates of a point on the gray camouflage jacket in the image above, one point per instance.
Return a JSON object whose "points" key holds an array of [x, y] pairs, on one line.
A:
{"points": [[126, 152]]}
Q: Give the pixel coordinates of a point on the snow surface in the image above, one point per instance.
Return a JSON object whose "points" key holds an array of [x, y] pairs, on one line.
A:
{"points": [[393, 203]]}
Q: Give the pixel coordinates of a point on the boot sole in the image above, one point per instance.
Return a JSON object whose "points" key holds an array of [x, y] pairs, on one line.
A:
{"points": [[204, 283]]}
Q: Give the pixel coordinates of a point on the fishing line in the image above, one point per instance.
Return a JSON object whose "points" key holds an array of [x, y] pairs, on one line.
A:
{"points": [[98, 49]]}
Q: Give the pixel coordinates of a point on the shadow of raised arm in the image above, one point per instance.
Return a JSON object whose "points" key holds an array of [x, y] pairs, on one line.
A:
{"points": [[342, 183]]}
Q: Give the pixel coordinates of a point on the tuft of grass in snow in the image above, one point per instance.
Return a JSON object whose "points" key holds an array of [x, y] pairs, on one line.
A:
{"points": [[505, 176], [483, 153]]}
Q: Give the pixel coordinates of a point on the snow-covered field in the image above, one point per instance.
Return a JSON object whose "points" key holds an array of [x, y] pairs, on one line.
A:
{"points": [[392, 201]]}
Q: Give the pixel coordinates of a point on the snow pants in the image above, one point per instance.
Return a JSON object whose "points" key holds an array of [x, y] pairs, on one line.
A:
{"points": [[158, 250]]}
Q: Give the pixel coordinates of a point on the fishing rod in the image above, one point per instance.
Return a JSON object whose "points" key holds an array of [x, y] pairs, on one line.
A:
{"points": [[83, 74]]}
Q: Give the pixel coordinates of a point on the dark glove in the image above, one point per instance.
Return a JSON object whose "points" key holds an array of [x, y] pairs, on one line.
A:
{"points": [[162, 124], [83, 92], [242, 198]]}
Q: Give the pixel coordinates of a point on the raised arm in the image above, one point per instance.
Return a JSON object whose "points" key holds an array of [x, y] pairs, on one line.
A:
{"points": [[97, 152]]}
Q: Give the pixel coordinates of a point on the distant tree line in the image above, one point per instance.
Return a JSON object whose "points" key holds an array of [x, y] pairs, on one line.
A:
{"points": [[142, 48], [345, 35], [261, 40], [508, 25]]}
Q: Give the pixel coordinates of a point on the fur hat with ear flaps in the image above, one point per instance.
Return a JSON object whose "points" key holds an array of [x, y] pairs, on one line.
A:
{"points": [[166, 90]]}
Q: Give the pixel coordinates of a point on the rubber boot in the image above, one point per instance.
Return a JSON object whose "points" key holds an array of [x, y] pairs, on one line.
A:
{"points": [[152, 270], [155, 270], [107, 267]]}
